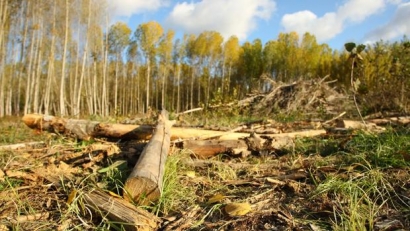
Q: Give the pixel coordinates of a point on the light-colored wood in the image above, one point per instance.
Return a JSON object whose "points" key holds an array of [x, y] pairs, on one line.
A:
{"points": [[404, 120], [144, 184], [131, 217], [28, 145]]}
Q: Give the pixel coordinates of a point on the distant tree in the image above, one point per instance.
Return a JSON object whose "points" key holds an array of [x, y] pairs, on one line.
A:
{"points": [[178, 57], [165, 54], [231, 51], [148, 35], [310, 56], [287, 48], [118, 40], [252, 65]]}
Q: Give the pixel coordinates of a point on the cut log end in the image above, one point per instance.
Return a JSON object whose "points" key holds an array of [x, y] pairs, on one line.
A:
{"points": [[32, 120], [124, 213], [141, 190]]}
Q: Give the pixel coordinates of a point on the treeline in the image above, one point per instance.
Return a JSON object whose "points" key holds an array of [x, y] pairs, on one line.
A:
{"points": [[63, 57]]}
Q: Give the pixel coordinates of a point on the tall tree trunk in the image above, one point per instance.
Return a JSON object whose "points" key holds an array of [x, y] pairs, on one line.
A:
{"points": [[27, 104], [139, 95], [3, 11], [62, 81], [163, 87], [192, 87], [37, 72], [104, 98], [147, 86], [116, 85], [77, 105], [50, 69], [178, 87], [21, 57]]}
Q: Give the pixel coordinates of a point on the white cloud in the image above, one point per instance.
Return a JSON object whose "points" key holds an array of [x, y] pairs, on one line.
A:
{"points": [[332, 23], [228, 17], [359, 10], [323, 28], [126, 8], [396, 27]]}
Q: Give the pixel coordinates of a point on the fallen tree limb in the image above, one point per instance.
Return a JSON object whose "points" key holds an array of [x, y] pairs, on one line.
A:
{"points": [[129, 216], [28, 145], [402, 120], [144, 184], [189, 111]]}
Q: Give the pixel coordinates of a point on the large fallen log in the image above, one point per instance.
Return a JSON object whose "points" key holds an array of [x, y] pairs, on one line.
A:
{"points": [[204, 149], [144, 184], [84, 129]]}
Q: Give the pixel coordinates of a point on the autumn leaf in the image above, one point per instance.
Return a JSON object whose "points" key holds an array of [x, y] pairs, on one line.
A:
{"points": [[237, 209], [216, 199], [72, 196], [190, 174]]}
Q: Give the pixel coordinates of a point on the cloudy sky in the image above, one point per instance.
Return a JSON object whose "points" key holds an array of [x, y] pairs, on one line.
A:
{"points": [[333, 22]]}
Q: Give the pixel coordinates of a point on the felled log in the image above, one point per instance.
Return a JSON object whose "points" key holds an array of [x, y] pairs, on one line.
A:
{"points": [[84, 129], [402, 121], [129, 216], [204, 149], [144, 184]]}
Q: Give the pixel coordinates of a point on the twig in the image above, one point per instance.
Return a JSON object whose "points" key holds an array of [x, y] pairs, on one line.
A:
{"points": [[334, 118], [189, 111]]}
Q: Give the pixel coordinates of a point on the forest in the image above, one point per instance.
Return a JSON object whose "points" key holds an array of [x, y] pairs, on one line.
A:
{"points": [[65, 57]]}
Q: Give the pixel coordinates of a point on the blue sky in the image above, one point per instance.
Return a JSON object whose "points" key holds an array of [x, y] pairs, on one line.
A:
{"points": [[332, 22]]}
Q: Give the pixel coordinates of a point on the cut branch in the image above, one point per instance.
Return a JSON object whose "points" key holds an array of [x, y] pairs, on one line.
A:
{"points": [[121, 211]]}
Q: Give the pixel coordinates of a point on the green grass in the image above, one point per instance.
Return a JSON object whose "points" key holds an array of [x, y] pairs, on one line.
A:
{"points": [[362, 190], [358, 200], [175, 195], [385, 150]]}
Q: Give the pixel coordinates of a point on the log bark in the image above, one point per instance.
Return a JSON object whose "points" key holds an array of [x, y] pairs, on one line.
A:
{"points": [[144, 184], [129, 216], [204, 149]]}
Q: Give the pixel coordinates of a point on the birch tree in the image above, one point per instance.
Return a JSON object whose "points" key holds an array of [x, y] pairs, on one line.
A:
{"points": [[148, 35], [118, 40]]}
